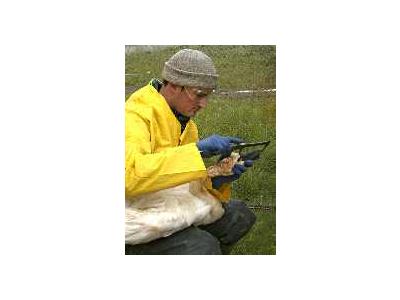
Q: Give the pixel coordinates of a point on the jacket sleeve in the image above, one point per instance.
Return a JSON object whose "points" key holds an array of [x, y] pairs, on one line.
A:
{"points": [[148, 172]]}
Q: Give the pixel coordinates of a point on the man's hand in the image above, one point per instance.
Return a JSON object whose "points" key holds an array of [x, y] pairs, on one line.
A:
{"points": [[217, 144], [237, 170]]}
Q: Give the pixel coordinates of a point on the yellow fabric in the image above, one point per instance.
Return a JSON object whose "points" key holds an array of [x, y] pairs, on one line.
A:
{"points": [[157, 156]]}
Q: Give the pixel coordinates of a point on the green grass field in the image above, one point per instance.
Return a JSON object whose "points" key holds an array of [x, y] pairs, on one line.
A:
{"points": [[247, 118], [250, 117]]}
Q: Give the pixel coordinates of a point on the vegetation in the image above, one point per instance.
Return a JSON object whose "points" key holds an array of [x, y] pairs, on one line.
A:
{"points": [[247, 119]]}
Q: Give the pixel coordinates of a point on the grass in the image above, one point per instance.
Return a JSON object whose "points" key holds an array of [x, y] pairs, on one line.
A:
{"points": [[247, 119], [251, 118]]}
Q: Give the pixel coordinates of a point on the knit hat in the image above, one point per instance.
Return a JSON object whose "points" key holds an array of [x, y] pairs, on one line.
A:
{"points": [[190, 67]]}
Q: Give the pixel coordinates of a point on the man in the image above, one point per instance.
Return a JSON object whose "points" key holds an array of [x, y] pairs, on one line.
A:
{"points": [[163, 150]]}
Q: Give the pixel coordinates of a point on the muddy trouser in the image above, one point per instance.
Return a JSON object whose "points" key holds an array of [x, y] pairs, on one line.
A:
{"points": [[214, 238]]}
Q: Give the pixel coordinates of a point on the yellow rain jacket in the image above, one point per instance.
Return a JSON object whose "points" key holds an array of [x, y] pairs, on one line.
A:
{"points": [[157, 155]]}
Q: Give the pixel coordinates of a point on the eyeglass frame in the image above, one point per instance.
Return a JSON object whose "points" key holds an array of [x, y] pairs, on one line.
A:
{"points": [[198, 93]]}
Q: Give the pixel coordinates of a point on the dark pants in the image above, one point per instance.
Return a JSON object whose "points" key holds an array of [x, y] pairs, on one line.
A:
{"points": [[215, 238]]}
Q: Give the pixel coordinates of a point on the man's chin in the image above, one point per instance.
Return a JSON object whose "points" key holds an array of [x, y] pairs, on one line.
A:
{"points": [[190, 114]]}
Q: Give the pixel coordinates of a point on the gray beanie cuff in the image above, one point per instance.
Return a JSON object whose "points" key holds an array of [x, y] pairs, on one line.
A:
{"points": [[190, 67], [187, 78]]}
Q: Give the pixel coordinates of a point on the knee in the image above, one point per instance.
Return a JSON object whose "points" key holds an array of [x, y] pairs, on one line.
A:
{"points": [[243, 215], [243, 220]]}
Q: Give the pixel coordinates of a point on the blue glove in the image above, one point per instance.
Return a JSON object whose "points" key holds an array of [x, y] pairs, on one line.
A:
{"points": [[217, 144], [237, 170]]}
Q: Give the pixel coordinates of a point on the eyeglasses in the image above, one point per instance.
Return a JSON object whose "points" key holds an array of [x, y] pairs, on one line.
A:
{"points": [[197, 94]]}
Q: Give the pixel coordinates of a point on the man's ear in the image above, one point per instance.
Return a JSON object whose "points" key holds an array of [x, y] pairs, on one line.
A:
{"points": [[175, 89]]}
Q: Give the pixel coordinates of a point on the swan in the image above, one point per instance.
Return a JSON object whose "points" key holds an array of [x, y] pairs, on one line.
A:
{"points": [[159, 214]]}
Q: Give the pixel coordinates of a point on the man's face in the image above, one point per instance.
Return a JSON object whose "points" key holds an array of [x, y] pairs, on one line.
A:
{"points": [[191, 100]]}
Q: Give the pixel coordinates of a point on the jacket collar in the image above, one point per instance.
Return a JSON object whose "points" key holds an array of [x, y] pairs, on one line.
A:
{"points": [[157, 84]]}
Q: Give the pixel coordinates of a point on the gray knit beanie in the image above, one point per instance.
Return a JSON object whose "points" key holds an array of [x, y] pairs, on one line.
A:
{"points": [[190, 67]]}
